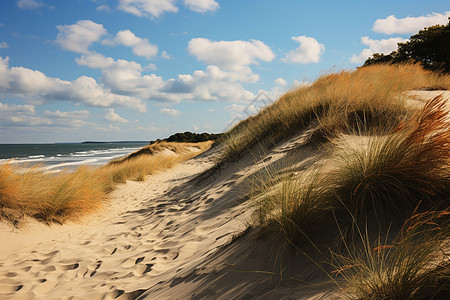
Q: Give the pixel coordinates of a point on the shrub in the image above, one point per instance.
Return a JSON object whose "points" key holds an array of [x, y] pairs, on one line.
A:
{"points": [[430, 47]]}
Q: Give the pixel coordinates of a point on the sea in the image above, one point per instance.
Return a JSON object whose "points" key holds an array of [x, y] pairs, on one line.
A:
{"points": [[65, 156]]}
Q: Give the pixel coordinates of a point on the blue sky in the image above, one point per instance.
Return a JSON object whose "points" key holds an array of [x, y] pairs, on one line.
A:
{"points": [[108, 70]]}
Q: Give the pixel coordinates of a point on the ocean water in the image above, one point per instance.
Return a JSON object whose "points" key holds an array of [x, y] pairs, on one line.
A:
{"points": [[57, 157]]}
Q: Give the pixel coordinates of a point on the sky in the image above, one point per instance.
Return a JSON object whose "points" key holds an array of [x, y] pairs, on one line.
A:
{"points": [[114, 70]]}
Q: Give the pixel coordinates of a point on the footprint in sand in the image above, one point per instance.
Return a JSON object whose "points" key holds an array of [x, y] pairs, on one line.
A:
{"points": [[68, 267], [9, 286], [142, 269]]}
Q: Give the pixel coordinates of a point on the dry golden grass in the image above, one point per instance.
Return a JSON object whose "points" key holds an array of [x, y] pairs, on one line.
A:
{"points": [[380, 173], [410, 165], [382, 161], [47, 197], [337, 102], [414, 265], [68, 196]]}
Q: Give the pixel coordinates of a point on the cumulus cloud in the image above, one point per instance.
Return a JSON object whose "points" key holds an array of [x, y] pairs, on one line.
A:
{"points": [[29, 4], [147, 8], [376, 46], [140, 46], [392, 25], [202, 6], [27, 83], [17, 109], [3, 45], [212, 84], [20, 115], [230, 55], [155, 8], [280, 81], [309, 51], [235, 110], [127, 78], [114, 117], [12, 115], [170, 112], [95, 61], [78, 37]]}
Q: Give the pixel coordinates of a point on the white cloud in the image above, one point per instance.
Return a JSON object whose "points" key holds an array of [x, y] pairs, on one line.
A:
{"points": [[213, 84], [95, 61], [376, 46], [78, 37], [27, 83], [280, 81], [392, 25], [309, 51], [103, 8], [3, 45], [68, 114], [230, 55], [141, 47], [202, 6], [151, 67], [166, 55], [235, 110], [25, 116], [114, 117], [29, 4], [127, 78], [147, 8], [16, 109], [170, 112]]}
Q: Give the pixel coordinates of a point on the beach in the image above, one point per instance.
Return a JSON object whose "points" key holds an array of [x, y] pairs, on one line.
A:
{"points": [[187, 232]]}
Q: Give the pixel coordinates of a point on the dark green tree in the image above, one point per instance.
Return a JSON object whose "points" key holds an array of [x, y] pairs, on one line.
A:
{"points": [[430, 47]]}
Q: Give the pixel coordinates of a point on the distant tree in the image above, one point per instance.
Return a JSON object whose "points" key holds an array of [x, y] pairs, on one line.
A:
{"points": [[190, 137], [430, 47]]}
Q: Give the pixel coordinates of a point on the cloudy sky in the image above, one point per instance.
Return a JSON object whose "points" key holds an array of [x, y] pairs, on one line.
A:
{"points": [[106, 70]]}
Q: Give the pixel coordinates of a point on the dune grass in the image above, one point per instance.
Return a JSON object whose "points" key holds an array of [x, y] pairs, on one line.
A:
{"points": [[399, 170], [415, 265], [381, 161], [294, 206], [68, 196], [366, 175], [337, 102]]}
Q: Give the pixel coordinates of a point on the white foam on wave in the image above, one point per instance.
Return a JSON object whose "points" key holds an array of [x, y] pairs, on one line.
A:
{"points": [[36, 156], [71, 161], [74, 163]]}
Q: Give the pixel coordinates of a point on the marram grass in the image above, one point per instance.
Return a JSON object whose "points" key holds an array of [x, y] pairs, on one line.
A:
{"points": [[338, 102]]}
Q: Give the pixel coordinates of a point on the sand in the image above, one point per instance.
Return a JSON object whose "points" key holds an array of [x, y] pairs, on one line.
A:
{"points": [[180, 234], [165, 238]]}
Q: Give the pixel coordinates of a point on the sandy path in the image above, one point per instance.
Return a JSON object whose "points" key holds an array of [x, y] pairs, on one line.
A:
{"points": [[143, 236]]}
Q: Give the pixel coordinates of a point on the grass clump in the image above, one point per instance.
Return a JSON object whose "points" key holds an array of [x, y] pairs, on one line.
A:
{"points": [[68, 196], [411, 164], [47, 197], [413, 266], [294, 205]]}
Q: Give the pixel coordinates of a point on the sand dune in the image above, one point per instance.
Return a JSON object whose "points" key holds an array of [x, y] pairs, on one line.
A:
{"points": [[159, 239], [181, 234]]}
